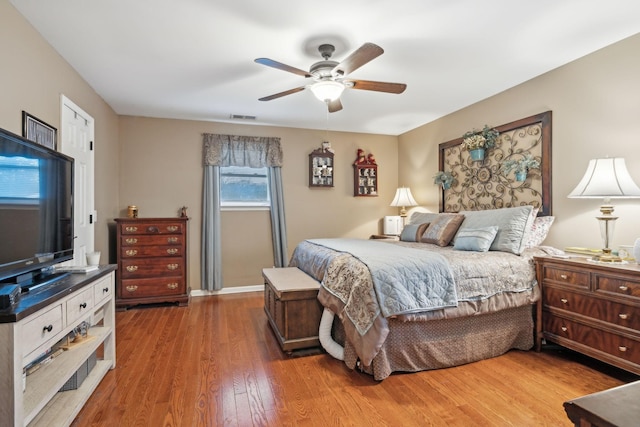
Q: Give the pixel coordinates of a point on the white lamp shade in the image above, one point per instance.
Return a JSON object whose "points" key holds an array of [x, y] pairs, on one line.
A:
{"points": [[403, 198], [606, 178], [327, 90]]}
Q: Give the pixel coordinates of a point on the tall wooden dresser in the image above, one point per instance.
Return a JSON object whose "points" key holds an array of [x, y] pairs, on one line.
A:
{"points": [[152, 261]]}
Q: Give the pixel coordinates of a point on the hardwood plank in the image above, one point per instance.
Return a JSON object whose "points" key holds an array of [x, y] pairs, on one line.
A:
{"points": [[216, 362]]}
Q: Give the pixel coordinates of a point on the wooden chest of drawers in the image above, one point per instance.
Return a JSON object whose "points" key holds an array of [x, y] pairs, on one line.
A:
{"points": [[152, 261], [592, 308]]}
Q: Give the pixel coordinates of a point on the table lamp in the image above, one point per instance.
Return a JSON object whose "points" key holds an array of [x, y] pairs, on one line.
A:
{"points": [[607, 179], [402, 199]]}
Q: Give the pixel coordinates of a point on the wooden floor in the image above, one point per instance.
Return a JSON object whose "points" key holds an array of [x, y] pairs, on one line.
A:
{"points": [[216, 362]]}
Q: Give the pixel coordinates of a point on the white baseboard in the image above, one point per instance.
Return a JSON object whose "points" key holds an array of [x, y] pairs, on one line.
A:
{"points": [[225, 291]]}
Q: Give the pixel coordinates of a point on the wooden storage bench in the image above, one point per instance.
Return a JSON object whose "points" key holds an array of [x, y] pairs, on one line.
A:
{"points": [[292, 307]]}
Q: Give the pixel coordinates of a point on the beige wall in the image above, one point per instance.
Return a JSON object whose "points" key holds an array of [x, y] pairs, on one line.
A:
{"points": [[32, 78], [596, 113], [161, 164]]}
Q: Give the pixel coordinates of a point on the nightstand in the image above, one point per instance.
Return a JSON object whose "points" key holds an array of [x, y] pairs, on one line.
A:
{"points": [[592, 308]]}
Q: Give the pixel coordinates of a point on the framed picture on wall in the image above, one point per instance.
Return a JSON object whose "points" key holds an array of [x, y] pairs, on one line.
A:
{"points": [[38, 131]]}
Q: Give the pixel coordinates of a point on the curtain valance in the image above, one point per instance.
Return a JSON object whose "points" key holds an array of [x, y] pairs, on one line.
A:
{"points": [[235, 150]]}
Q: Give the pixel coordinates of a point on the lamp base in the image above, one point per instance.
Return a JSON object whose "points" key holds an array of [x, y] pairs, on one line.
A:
{"points": [[607, 256]]}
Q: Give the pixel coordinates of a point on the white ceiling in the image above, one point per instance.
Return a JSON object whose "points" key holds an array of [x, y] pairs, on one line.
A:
{"points": [[194, 59]]}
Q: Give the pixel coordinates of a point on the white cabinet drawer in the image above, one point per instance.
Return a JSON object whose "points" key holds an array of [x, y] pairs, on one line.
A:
{"points": [[42, 328], [102, 290], [79, 305]]}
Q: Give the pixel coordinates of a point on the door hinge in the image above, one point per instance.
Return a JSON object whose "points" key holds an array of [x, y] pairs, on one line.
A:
{"points": [[90, 218]]}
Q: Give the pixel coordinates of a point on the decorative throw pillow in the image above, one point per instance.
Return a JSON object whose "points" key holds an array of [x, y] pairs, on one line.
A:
{"points": [[539, 231], [442, 229], [413, 232], [513, 226], [475, 239]]}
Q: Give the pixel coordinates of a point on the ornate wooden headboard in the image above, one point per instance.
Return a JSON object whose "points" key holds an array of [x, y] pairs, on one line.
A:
{"points": [[481, 185]]}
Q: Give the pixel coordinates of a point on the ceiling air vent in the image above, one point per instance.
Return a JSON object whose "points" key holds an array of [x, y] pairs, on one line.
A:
{"points": [[242, 117]]}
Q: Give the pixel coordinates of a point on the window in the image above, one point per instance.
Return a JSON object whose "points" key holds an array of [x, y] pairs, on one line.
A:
{"points": [[20, 178], [243, 187]]}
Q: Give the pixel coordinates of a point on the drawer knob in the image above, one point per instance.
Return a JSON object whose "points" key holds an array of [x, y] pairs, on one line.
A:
{"points": [[131, 229], [47, 328], [172, 240], [172, 266], [564, 300], [105, 290], [153, 229], [623, 288], [132, 288], [173, 285], [172, 251], [563, 276], [622, 348], [132, 268], [83, 305], [623, 316], [172, 228], [131, 241], [564, 329], [131, 252]]}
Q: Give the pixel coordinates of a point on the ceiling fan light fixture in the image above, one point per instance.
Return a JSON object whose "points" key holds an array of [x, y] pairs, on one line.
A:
{"points": [[327, 90]]}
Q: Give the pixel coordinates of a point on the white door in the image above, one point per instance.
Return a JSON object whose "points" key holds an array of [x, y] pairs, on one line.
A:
{"points": [[76, 140]]}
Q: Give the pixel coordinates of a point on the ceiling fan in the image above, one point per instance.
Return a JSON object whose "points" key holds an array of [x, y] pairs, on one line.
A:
{"points": [[330, 76]]}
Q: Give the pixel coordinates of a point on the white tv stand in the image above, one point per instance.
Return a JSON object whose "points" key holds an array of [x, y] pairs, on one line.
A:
{"points": [[39, 320]]}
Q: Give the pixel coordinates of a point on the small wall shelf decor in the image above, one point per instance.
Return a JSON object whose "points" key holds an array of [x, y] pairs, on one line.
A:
{"points": [[365, 182], [321, 168]]}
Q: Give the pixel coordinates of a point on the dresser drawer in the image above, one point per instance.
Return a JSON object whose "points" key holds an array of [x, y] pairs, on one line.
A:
{"points": [[152, 267], [79, 305], [615, 345], [135, 288], [615, 313], [152, 251], [151, 228], [141, 240], [42, 328], [566, 276], [619, 287]]}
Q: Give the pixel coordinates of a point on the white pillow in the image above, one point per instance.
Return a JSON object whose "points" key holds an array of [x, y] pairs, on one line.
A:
{"points": [[513, 226], [539, 230]]}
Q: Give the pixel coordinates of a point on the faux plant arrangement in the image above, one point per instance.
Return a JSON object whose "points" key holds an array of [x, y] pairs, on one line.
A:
{"points": [[485, 138], [443, 178], [520, 166]]}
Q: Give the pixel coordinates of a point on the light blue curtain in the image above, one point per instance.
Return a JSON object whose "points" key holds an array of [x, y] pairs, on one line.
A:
{"points": [[233, 150]]}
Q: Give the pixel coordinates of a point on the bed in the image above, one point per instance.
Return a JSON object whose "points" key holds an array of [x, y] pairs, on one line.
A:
{"points": [[460, 285]]}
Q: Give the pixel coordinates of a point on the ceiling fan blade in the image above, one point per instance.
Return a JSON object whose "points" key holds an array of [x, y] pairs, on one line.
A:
{"points": [[284, 67], [334, 105], [376, 86], [357, 59], [281, 94]]}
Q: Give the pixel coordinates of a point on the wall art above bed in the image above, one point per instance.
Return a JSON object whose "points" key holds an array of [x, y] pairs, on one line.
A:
{"points": [[483, 184]]}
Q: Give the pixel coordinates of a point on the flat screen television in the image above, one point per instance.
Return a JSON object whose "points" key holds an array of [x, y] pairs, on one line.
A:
{"points": [[36, 210]]}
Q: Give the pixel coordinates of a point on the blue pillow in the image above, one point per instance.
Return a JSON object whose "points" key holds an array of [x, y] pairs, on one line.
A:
{"points": [[475, 239], [413, 232]]}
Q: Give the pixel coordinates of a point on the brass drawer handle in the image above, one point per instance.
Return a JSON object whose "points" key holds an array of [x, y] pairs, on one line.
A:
{"points": [[564, 277], [564, 300], [131, 252], [132, 288], [172, 228], [131, 241], [172, 285], [623, 316], [622, 348], [132, 268], [172, 251], [623, 288], [130, 228], [564, 329], [172, 240], [172, 266]]}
